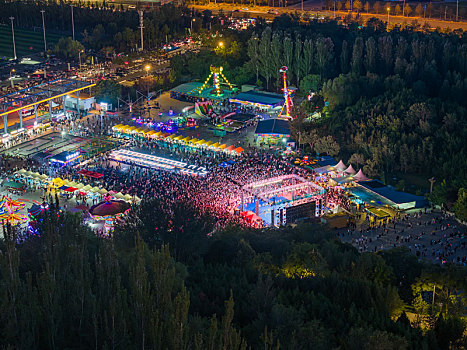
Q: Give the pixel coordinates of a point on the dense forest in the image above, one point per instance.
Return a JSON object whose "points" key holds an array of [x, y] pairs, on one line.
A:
{"points": [[163, 282]]}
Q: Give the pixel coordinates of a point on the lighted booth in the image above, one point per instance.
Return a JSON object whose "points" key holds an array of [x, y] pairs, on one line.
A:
{"points": [[66, 158], [272, 132]]}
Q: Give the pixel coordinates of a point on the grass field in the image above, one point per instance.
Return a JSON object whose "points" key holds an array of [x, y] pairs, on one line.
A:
{"points": [[27, 41]]}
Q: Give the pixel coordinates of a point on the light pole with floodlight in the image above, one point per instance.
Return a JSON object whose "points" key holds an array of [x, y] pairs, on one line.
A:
{"points": [[13, 36], [389, 9], [72, 22], [43, 30]]}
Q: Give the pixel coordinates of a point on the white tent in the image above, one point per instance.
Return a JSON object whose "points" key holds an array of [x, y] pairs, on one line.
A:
{"points": [[340, 166], [350, 170], [360, 176]]}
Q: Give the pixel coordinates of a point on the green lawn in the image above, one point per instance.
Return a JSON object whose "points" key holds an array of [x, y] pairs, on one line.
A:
{"points": [[27, 41]]}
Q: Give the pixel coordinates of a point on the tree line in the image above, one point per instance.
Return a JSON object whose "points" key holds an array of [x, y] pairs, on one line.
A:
{"points": [[162, 281]]}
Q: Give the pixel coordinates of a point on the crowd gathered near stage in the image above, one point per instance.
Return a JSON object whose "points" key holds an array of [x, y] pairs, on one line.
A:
{"points": [[218, 194]]}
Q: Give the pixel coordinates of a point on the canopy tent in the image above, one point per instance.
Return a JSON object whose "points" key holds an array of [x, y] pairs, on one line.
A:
{"points": [[64, 187], [92, 174], [222, 146], [58, 182], [239, 150], [201, 142], [230, 148], [350, 170], [22, 171], [119, 195], [360, 176], [127, 197], [71, 189], [94, 189], [102, 191], [79, 185], [179, 137], [209, 143], [13, 185], [186, 139], [215, 145], [340, 166], [194, 140], [86, 188]]}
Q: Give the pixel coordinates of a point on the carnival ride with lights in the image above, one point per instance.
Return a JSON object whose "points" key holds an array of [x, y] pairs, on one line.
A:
{"points": [[109, 210], [287, 99], [306, 160], [9, 209], [216, 74], [36, 214]]}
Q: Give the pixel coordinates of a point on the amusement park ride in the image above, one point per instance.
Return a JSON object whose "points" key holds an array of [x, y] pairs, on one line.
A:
{"points": [[287, 99], [216, 74]]}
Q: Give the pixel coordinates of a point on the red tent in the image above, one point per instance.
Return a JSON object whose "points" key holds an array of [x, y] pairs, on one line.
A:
{"points": [[92, 174], [71, 189], [239, 150]]}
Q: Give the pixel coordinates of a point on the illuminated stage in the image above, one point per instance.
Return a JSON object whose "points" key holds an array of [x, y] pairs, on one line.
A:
{"points": [[283, 199], [153, 162]]}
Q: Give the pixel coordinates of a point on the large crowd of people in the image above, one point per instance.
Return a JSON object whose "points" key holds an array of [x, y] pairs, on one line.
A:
{"points": [[219, 193]]}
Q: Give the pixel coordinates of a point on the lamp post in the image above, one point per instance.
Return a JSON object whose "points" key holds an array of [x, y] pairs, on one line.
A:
{"points": [[13, 36], [79, 58], [11, 79], [147, 68], [389, 9], [191, 25], [43, 30], [72, 23]]}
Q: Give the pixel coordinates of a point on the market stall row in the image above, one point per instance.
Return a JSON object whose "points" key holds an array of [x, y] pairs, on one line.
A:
{"points": [[194, 142]]}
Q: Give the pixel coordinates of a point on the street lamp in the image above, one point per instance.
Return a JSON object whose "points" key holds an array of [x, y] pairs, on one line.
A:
{"points": [[221, 44], [79, 57], [147, 68], [11, 79], [191, 25], [389, 9], [43, 29], [13, 35]]}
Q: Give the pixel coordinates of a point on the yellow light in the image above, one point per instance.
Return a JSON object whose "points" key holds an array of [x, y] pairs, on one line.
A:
{"points": [[221, 43], [148, 67], [388, 9]]}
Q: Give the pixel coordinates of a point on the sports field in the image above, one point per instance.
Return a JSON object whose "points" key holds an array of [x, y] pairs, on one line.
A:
{"points": [[27, 41]]}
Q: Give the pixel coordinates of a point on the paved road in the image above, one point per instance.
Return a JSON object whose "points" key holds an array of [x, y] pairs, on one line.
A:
{"points": [[313, 7]]}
